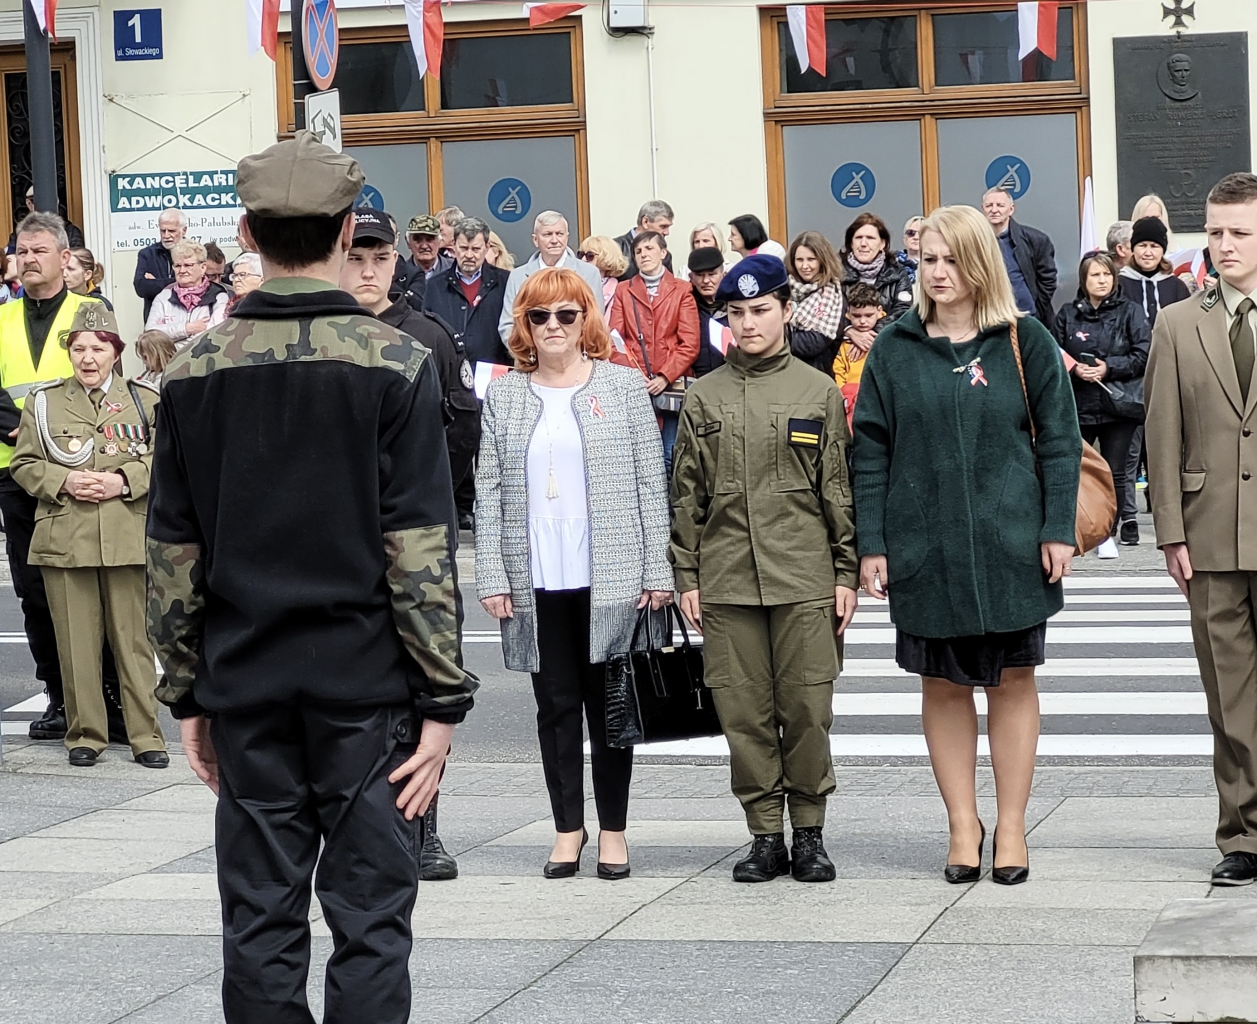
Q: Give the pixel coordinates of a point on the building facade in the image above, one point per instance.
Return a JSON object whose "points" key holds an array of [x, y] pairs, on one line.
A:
{"points": [[921, 104]]}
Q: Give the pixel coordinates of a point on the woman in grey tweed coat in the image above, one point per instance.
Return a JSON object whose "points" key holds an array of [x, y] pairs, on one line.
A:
{"points": [[571, 540]]}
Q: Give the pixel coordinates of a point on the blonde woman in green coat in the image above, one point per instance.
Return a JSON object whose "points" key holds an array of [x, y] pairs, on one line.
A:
{"points": [[957, 524]]}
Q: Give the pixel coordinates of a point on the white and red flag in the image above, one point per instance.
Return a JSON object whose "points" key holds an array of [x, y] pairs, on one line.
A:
{"points": [[807, 32], [262, 19], [46, 15], [1036, 29], [541, 14], [427, 34]]}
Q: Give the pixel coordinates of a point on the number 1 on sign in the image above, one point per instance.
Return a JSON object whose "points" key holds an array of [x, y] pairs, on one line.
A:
{"points": [[135, 24]]}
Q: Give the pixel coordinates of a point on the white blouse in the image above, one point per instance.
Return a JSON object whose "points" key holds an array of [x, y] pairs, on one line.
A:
{"points": [[558, 525]]}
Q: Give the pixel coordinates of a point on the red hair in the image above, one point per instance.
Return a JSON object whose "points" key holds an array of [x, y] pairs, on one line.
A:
{"points": [[545, 288], [117, 343]]}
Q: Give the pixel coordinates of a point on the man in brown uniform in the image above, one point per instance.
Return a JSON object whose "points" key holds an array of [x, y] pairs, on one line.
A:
{"points": [[1202, 469]]}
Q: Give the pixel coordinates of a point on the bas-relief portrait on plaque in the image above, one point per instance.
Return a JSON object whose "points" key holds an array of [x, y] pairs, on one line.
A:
{"points": [[1182, 118]]}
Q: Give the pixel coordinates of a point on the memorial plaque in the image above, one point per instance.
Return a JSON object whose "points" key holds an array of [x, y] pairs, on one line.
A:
{"points": [[1182, 119]]}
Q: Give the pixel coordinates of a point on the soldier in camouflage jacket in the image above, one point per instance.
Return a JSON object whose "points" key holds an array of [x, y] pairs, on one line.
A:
{"points": [[301, 542]]}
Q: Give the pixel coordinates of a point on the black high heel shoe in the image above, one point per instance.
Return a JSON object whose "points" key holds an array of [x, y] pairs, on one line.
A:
{"points": [[613, 872], [961, 874], [1014, 875], [566, 868]]}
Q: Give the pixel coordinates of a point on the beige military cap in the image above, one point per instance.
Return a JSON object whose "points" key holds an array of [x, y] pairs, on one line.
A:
{"points": [[94, 316], [299, 177]]}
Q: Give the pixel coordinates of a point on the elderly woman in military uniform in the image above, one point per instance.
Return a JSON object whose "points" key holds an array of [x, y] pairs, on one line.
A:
{"points": [[84, 449]]}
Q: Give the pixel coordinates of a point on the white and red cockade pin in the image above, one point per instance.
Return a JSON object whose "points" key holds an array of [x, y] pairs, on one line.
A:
{"points": [[595, 409]]}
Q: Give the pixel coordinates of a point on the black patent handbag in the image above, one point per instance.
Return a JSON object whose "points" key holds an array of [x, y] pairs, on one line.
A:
{"points": [[658, 694]]}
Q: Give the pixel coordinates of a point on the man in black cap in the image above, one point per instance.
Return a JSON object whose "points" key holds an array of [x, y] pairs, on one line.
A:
{"points": [[302, 592], [746, 536], [707, 270]]}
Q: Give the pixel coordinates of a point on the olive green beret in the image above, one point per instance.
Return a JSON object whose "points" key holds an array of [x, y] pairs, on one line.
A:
{"points": [[94, 316], [299, 177]]}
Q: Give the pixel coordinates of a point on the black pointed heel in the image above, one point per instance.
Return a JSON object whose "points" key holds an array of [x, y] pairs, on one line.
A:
{"points": [[566, 868], [1014, 875], [962, 874], [614, 872]]}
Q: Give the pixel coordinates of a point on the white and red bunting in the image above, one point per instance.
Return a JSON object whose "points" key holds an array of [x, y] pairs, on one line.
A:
{"points": [[807, 32], [1036, 29]]}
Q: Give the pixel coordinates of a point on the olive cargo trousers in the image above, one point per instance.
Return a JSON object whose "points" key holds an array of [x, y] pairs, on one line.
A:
{"points": [[771, 670], [88, 606]]}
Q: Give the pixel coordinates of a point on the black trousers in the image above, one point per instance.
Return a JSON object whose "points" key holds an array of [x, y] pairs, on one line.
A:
{"points": [[1115, 439], [18, 509], [289, 777], [566, 682]]}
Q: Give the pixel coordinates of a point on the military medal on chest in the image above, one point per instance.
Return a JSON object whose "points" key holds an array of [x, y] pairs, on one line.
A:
{"points": [[76, 452], [974, 369]]}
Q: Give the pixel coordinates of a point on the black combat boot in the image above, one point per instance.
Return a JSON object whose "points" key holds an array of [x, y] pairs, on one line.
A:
{"points": [[51, 725], [435, 865], [808, 860], [113, 710], [768, 859]]}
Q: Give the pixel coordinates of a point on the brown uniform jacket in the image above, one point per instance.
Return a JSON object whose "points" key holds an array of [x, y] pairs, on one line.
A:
{"points": [[72, 534], [1201, 439]]}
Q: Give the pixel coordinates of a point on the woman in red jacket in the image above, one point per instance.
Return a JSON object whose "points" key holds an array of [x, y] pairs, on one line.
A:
{"points": [[657, 319]]}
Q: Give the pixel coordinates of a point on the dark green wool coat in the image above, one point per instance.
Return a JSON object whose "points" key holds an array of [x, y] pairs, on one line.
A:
{"points": [[945, 482]]}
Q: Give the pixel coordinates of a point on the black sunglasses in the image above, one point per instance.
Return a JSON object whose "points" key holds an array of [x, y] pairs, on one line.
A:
{"points": [[567, 317], [587, 255], [911, 233]]}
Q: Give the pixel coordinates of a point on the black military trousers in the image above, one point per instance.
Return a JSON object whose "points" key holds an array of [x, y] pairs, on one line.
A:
{"points": [[18, 509], [290, 776]]}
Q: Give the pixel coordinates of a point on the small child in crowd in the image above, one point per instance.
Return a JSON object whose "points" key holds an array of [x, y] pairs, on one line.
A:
{"points": [[864, 313], [155, 350]]}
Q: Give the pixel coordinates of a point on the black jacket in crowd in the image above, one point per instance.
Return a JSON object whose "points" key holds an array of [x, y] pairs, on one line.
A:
{"points": [[1036, 256], [301, 520], [476, 326], [709, 357], [893, 283], [1116, 332], [409, 283], [462, 414], [153, 259], [1151, 292]]}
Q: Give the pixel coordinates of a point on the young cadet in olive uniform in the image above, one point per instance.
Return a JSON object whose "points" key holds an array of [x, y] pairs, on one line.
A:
{"points": [[763, 548], [84, 451], [302, 591]]}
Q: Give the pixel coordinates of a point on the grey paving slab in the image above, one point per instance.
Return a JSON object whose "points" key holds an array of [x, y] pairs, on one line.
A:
{"points": [[1123, 864], [712, 983], [1071, 895], [35, 988], [203, 861], [90, 855], [31, 803], [995, 984], [1037, 926], [197, 830], [198, 1003], [646, 861], [1165, 822]]}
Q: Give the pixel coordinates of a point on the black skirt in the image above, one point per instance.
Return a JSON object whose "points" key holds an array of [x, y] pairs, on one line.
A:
{"points": [[970, 660]]}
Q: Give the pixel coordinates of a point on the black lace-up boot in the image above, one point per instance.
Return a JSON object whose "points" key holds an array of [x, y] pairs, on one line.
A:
{"points": [[768, 859], [808, 860], [435, 864]]}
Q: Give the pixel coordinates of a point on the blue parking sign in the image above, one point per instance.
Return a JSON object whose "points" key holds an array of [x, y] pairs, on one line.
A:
{"points": [[137, 34]]}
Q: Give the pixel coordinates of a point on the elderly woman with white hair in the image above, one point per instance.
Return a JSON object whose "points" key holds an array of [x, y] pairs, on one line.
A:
{"points": [[194, 303], [708, 236], [246, 276]]}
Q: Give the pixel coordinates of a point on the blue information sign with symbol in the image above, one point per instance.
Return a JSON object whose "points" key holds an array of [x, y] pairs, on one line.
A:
{"points": [[137, 35], [370, 197], [853, 185], [321, 41], [1011, 173], [509, 200]]}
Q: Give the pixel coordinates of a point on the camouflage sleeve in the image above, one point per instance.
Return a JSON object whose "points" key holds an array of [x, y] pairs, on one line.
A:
{"points": [[176, 606], [424, 584]]}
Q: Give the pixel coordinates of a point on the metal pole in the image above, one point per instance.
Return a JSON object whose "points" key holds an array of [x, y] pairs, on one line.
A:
{"points": [[39, 96], [301, 84]]}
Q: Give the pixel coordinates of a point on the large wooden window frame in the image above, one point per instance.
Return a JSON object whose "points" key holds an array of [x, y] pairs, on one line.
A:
{"points": [[435, 126], [12, 60], [928, 103]]}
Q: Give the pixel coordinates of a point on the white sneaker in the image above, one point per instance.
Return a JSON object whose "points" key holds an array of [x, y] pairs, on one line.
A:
{"points": [[1107, 550]]}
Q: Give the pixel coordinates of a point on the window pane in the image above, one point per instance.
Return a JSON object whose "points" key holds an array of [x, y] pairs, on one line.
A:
{"points": [[860, 53], [981, 49], [506, 71], [378, 78]]}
